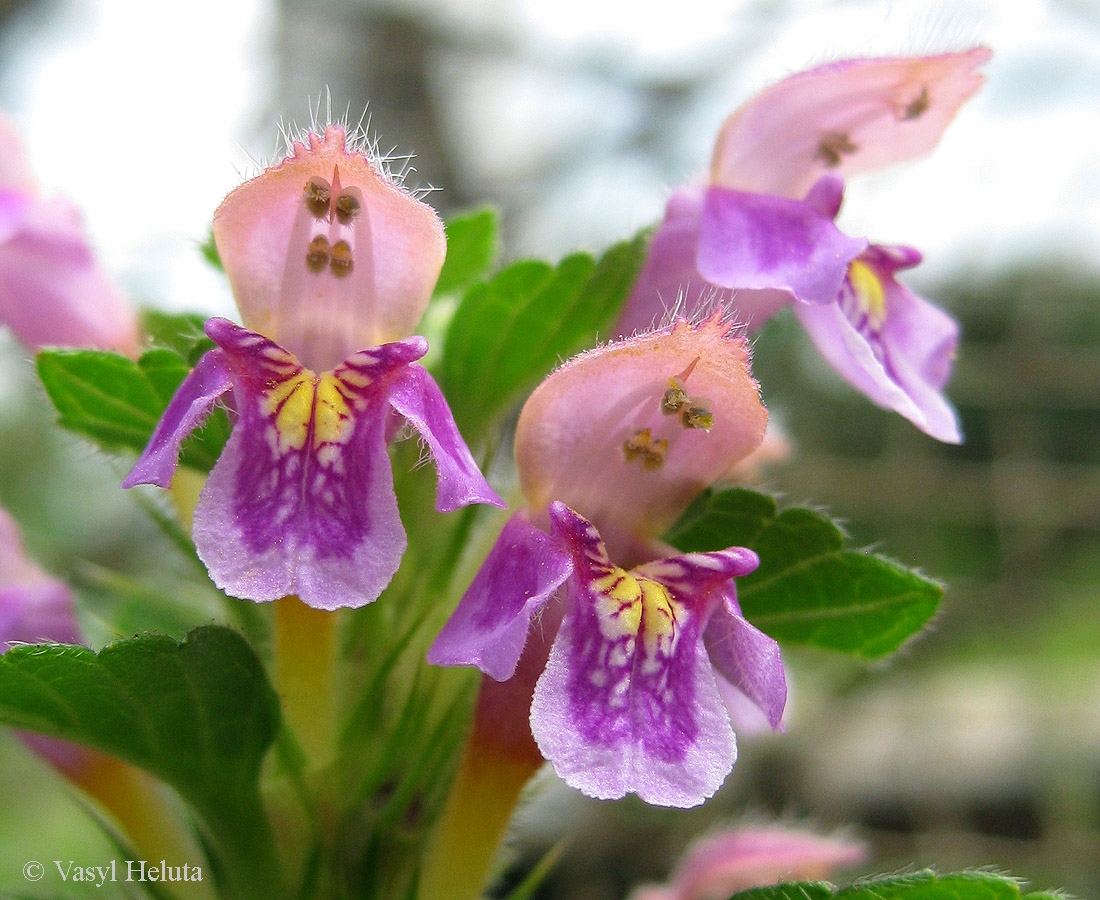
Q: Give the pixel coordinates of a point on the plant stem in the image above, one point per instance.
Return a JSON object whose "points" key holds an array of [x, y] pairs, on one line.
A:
{"points": [[138, 802], [305, 663], [499, 759]]}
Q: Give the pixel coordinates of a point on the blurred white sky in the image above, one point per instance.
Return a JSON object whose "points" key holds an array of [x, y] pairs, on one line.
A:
{"points": [[138, 111]]}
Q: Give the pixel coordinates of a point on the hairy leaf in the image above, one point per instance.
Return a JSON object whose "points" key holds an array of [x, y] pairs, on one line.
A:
{"points": [[199, 714], [510, 331], [810, 588], [925, 885], [117, 402]]}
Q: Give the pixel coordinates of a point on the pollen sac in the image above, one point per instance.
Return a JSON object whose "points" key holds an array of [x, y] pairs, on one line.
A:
{"points": [[834, 146], [696, 415], [642, 447], [317, 255], [318, 195], [348, 206], [916, 107], [341, 259], [674, 398]]}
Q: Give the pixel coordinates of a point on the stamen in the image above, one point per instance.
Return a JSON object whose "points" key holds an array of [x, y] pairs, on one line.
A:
{"points": [[635, 446], [641, 446], [341, 259], [916, 107], [696, 415], [675, 397], [348, 206], [655, 455], [318, 193], [317, 256], [833, 147]]}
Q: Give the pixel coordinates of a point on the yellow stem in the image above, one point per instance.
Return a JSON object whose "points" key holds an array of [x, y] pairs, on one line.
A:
{"points": [[142, 807], [305, 663], [499, 759]]}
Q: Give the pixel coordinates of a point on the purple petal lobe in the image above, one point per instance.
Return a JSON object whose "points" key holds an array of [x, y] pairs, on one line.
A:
{"points": [[417, 397], [748, 659], [489, 627], [890, 344], [760, 241], [301, 501], [670, 279], [826, 195], [628, 701], [192, 403]]}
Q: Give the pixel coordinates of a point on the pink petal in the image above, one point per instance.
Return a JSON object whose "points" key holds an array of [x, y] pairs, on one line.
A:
{"points": [[34, 607], [575, 433], [324, 311], [846, 117], [53, 291], [741, 858]]}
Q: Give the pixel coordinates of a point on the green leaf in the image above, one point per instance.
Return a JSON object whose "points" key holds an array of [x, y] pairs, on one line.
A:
{"points": [[182, 332], [117, 402], [473, 242], [209, 252], [809, 588], [199, 714], [509, 332], [923, 885]]}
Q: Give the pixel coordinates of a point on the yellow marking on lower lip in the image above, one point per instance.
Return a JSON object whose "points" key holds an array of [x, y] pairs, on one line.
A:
{"points": [[869, 291]]}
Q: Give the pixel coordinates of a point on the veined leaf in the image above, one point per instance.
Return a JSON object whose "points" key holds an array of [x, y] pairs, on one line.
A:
{"points": [[199, 714], [810, 589], [510, 331], [117, 402]]}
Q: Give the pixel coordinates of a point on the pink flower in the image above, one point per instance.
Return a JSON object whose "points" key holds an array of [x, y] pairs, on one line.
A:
{"points": [[53, 290], [332, 265], [740, 858], [759, 236], [35, 608], [639, 647]]}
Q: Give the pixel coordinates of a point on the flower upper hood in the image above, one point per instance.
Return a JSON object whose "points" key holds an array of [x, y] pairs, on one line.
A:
{"points": [[327, 254]]}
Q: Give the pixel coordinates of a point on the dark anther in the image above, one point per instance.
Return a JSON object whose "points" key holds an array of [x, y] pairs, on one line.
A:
{"points": [[916, 107], [317, 255], [347, 207], [834, 146], [317, 196], [695, 415], [341, 259], [675, 397]]}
